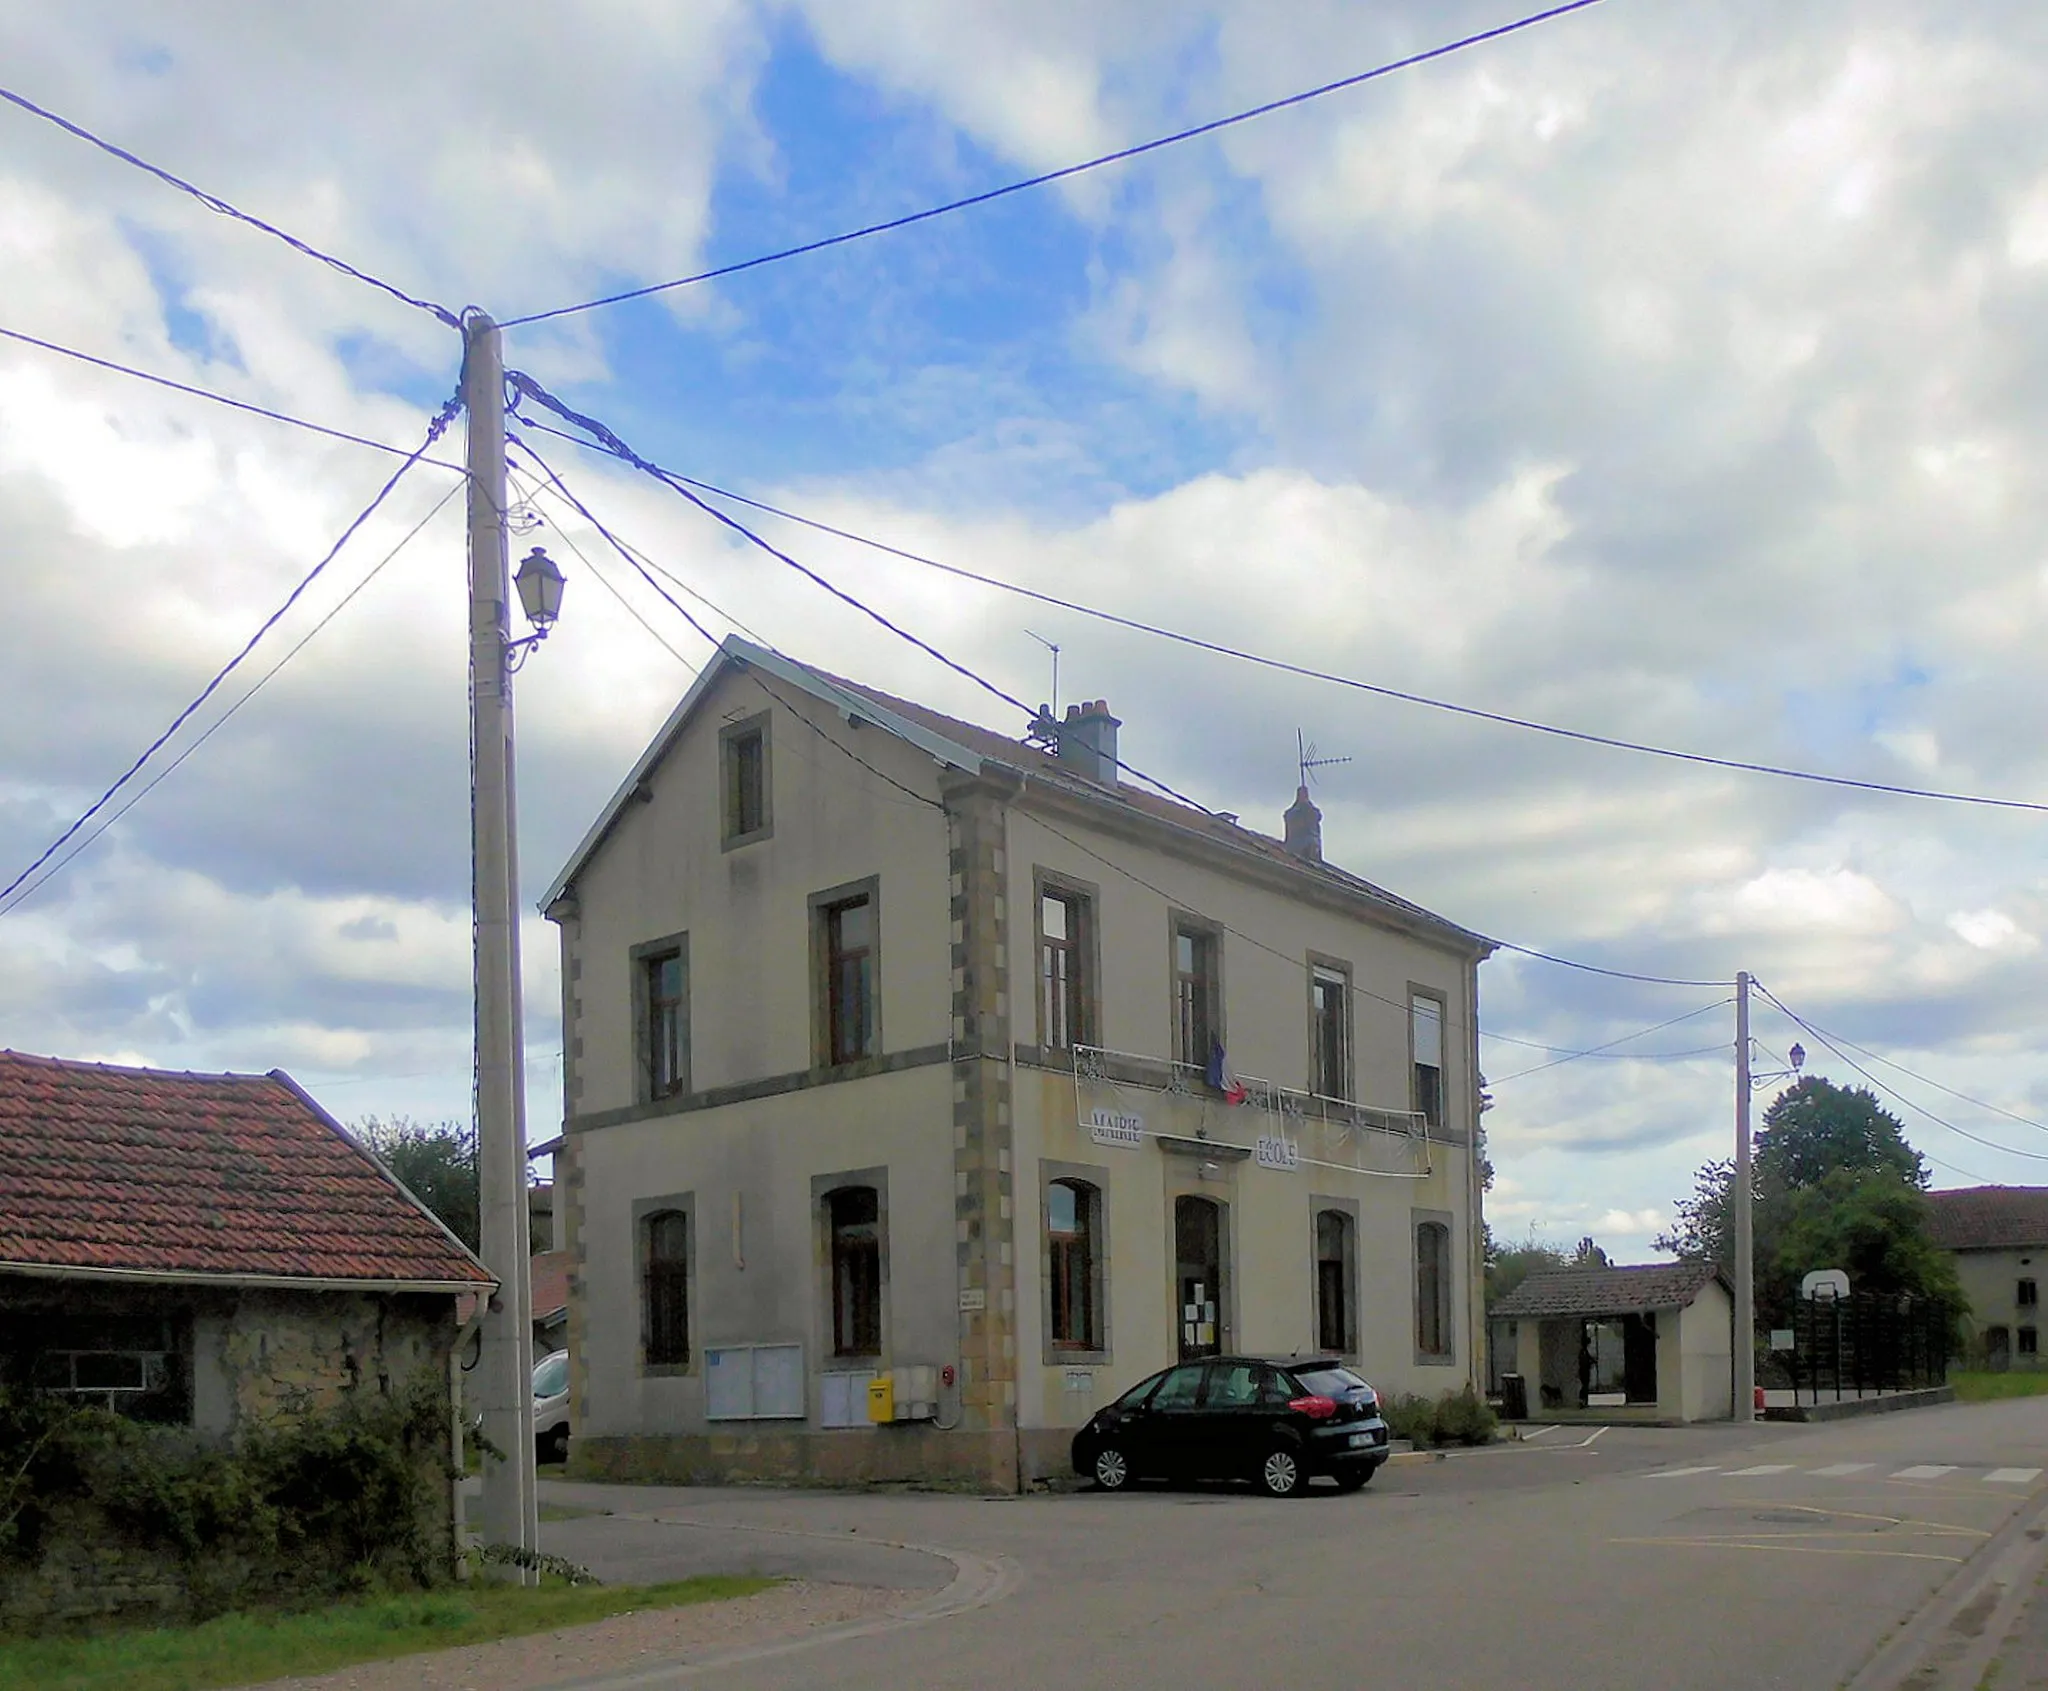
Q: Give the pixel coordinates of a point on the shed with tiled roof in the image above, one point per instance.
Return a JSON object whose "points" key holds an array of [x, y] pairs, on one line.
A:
{"points": [[205, 1248]]}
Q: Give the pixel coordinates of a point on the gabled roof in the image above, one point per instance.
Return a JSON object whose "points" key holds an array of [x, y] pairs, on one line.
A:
{"points": [[966, 746], [151, 1174], [1595, 1293], [1988, 1218]]}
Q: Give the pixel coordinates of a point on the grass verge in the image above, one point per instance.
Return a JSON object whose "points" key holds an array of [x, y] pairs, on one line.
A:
{"points": [[241, 1649], [1985, 1387]]}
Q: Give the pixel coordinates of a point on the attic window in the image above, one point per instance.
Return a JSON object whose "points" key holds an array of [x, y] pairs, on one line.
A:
{"points": [[745, 813]]}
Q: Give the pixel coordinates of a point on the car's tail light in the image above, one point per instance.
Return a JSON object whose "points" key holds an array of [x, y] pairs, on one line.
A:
{"points": [[1316, 1408]]}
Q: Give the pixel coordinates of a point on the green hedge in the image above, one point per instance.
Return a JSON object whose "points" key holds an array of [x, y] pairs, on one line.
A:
{"points": [[1457, 1417], [348, 1498]]}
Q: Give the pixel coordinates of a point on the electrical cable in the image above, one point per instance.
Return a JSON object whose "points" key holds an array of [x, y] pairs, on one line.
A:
{"points": [[1924, 1080], [221, 721], [434, 430], [1283, 666], [1893, 1091], [215, 203], [1045, 178], [606, 441], [219, 398], [1602, 1050]]}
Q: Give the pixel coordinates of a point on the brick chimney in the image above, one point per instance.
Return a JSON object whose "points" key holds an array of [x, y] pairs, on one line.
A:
{"points": [[1088, 741], [1304, 827]]}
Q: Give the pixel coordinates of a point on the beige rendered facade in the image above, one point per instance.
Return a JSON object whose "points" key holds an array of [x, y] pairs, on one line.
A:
{"points": [[891, 1054]]}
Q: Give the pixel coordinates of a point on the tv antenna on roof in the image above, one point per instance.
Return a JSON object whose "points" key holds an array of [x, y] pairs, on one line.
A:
{"points": [[1310, 763], [1054, 649]]}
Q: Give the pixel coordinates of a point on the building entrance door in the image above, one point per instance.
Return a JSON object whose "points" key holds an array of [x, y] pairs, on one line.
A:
{"points": [[1198, 1252]]}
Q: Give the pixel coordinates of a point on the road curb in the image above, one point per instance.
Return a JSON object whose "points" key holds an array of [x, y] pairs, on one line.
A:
{"points": [[1950, 1642]]}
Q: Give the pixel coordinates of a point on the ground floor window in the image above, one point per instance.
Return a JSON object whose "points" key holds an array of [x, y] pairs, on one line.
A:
{"points": [[853, 1218], [1433, 1289], [1334, 1324]]}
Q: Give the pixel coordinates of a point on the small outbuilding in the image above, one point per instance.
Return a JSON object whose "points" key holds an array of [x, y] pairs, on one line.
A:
{"points": [[1651, 1343]]}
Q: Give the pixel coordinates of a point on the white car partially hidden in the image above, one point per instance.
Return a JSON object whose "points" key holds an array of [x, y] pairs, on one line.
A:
{"points": [[551, 1408]]}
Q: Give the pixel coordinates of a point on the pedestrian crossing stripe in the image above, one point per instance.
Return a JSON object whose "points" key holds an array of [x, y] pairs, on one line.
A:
{"points": [[1842, 1470]]}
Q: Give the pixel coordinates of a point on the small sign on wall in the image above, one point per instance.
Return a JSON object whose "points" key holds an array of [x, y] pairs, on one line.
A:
{"points": [[1276, 1151], [1781, 1338], [973, 1299], [1116, 1127]]}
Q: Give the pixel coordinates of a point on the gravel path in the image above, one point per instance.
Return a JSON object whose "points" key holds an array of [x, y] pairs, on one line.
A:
{"points": [[616, 1645]]}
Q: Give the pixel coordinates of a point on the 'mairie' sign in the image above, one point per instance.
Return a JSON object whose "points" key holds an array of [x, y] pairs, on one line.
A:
{"points": [[1112, 1127]]}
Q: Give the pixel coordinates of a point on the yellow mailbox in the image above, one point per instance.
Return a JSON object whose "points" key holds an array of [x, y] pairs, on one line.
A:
{"points": [[882, 1398]]}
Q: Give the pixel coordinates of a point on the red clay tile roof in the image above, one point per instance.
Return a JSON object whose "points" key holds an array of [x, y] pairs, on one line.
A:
{"points": [[1988, 1218], [1591, 1293], [550, 1282], [155, 1172]]}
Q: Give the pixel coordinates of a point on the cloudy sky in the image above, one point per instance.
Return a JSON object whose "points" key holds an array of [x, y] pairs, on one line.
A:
{"points": [[1668, 372]]}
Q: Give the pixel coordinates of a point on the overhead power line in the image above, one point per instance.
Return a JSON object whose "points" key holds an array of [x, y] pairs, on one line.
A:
{"points": [[1893, 1091], [442, 418], [604, 439], [214, 203], [1046, 178], [1308, 673], [1925, 1080], [214, 727], [1608, 1048], [219, 398]]}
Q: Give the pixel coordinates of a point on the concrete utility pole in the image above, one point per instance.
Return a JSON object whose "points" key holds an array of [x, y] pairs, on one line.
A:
{"points": [[504, 1369], [1740, 1199]]}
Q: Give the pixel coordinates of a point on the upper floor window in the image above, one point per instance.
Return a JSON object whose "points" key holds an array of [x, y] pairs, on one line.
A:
{"points": [[743, 773], [1433, 1289], [1065, 992], [1196, 999], [1073, 1223], [666, 1034], [2028, 1294], [853, 1219], [1426, 1039], [849, 947], [1330, 1031], [665, 1311], [1333, 1281]]}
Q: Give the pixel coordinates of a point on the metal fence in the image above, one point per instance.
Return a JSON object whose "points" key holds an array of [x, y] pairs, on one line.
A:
{"points": [[1866, 1343]]}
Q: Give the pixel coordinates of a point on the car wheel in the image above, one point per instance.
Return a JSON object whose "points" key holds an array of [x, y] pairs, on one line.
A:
{"points": [[1112, 1469], [1281, 1474], [1355, 1479]]}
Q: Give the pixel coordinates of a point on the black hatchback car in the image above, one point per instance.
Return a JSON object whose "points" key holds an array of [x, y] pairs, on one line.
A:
{"points": [[1274, 1422]]}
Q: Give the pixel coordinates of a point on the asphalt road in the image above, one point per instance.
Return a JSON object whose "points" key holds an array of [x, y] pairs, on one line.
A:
{"points": [[1771, 1556]]}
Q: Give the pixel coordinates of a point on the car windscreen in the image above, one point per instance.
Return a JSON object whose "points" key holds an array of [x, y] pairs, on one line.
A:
{"points": [[1331, 1382], [552, 1376]]}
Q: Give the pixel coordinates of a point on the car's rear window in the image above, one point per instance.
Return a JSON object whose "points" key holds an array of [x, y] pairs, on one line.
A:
{"points": [[1332, 1382]]}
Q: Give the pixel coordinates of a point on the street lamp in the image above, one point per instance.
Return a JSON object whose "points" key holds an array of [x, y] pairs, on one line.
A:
{"points": [[540, 596]]}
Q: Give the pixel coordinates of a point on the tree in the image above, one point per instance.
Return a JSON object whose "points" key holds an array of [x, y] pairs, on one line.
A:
{"points": [[1507, 1266], [436, 1161], [1814, 1128], [1834, 1185]]}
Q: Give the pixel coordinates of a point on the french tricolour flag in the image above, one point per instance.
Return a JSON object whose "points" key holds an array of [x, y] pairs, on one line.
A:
{"points": [[1220, 1076]]}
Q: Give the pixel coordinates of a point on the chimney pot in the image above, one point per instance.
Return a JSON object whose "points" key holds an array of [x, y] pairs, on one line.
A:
{"points": [[1087, 741], [1304, 836]]}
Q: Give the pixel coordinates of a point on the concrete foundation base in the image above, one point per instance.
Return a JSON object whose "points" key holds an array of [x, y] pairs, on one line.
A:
{"points": [[913, 1455]]}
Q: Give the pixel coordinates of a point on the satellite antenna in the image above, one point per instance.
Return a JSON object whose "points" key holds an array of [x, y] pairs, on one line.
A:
{"points": [[1310, 763], [1054, 649]]}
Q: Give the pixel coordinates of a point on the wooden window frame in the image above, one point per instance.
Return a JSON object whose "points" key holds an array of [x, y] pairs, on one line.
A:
{"points": [[824, 1189], [1084, 948], [643, 959], [1347, 1073], [1346, 1209], [645, 1213], [1416, 1099], [1444, 1311], [824, 907], [1057, 1352], [730, 739], [1210, 936]]}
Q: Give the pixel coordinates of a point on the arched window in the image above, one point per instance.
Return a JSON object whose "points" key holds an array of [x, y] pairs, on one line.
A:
{"points": [[1073, 1227], [1433, 1289], [666, 1250], [1334, 1327], [853, 1216]]}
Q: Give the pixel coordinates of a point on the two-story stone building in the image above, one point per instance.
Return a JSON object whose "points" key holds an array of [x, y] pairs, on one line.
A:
{"points": [[898, 1052]]}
